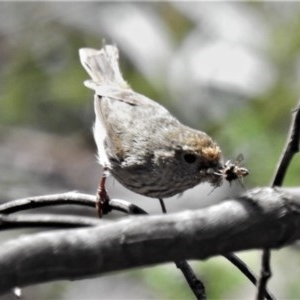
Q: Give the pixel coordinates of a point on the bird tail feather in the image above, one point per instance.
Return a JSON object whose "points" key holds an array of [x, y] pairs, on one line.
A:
{"points": [[102, 66]]}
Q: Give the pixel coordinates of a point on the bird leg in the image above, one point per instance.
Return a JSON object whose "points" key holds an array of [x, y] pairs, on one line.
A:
{"points": [[102, 200], [162, 205]]}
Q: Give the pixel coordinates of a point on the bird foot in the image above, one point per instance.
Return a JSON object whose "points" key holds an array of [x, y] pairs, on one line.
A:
{"points": [[102, 201]]}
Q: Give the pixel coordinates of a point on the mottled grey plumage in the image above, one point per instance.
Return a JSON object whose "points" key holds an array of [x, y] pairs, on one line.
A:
{"points": [[142, 145]]}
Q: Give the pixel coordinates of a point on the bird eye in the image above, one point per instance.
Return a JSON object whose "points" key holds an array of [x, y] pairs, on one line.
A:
{"points": [[189, 158]]}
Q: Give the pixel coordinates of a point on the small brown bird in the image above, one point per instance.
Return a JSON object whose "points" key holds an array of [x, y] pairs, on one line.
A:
{"points": [[140, 143]]}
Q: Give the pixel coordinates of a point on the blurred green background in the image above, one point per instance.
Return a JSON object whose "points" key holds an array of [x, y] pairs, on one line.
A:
{"points": [[230, 69]]}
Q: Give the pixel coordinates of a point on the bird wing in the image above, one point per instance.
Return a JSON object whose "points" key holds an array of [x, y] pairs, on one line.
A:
{"points": [[117, 106]]}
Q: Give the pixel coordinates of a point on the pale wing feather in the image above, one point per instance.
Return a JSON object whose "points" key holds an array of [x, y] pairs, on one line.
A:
{"points": [[109, 86]]}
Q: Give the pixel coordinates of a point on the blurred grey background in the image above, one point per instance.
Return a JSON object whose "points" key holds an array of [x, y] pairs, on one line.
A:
{"points": [[229, 69]]}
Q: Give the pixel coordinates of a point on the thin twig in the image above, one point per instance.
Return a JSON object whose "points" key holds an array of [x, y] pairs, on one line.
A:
{"points": [[45, 220], [194, 283], [237, 262], [265, 274], [70, 198], [291, 148]]}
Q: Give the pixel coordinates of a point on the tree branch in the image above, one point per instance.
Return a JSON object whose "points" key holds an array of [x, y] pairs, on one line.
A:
{"points": [[60, 221], [44, 220], [262, 218], [70, 198], [246, 271], [195, 284], [291, 148], [63, 221]]}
